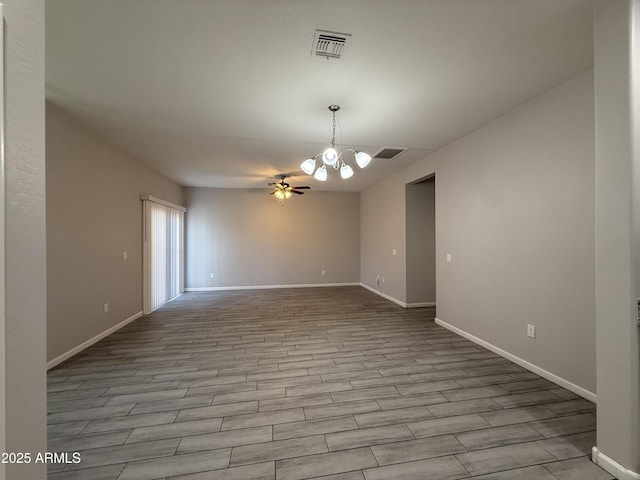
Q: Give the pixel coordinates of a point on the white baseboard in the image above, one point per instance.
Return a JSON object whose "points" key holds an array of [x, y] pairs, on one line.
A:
{"points": [[264, 287], [523, 363], [421, 304], [611, 466], [396, 301], [58, 360], [384, 295]]}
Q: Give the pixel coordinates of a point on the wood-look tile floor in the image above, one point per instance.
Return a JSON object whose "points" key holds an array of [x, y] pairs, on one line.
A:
{"points": [[330, 383]]}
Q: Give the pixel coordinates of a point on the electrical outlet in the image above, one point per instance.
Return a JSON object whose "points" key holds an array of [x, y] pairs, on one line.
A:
{"points": [[377, 279], [124, 255], [531, 331], [212, 276], [382, 279], [449, 258], [394, 252], [324, 272], [106, 307]]}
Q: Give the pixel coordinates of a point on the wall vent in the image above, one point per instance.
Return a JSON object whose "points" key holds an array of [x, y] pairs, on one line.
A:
{"points": [[389, 152], [329, 44]]}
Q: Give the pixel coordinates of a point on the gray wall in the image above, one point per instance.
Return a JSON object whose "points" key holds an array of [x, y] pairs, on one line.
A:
{"points": [[94, 214], [421, 241], [246, 238], [25, 268], [514, 207], [617, 66], [382, 229]]}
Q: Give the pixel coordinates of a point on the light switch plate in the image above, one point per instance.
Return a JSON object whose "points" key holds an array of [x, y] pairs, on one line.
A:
{"points": [[531, 331]]}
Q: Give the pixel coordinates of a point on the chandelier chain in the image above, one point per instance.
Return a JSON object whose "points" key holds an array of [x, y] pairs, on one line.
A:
{"points": [[333, 138]]}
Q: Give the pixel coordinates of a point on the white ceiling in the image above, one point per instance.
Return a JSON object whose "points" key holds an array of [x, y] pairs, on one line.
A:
{"points": [[226, 93]]}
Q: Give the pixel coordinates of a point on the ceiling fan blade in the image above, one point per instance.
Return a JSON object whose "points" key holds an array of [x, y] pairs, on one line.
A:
{"points": [[305, 187], [295, 191]]}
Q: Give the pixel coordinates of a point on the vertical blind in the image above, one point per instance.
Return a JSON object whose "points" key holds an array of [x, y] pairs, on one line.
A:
{"points": [[163, 252]]}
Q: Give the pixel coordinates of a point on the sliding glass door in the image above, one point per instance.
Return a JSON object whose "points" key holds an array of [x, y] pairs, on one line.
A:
{"points": [[163, 252]]}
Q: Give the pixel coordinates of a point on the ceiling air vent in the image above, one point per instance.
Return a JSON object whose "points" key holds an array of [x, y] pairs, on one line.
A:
{"points": [[389, 152], [329, 44]]}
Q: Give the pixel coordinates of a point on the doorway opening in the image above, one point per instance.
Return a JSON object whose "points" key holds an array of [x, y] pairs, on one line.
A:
{"points": [[420, 201]]}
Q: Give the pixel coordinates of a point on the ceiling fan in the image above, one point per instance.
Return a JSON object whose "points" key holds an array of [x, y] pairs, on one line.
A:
{"points": [[282, 190]]}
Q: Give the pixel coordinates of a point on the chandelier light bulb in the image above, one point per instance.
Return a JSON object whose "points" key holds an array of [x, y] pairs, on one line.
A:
{"points": [[330, 156], [346, 171], [308, 166], [363, 159], [287, 194], [279, 195], [321, 174]]}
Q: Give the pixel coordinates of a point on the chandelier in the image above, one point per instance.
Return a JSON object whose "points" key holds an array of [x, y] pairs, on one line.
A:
{"points": [[333, 157]]}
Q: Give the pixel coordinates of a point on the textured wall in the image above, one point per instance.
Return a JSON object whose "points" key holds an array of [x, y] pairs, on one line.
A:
{"points": [[617, 65], [25, 268]]}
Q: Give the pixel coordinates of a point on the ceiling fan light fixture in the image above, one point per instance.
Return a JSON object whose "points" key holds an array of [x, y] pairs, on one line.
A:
{"points": [[333, 157], [308, 166], [363, 159], [283, 191], [346, 171], [321, 174]]}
